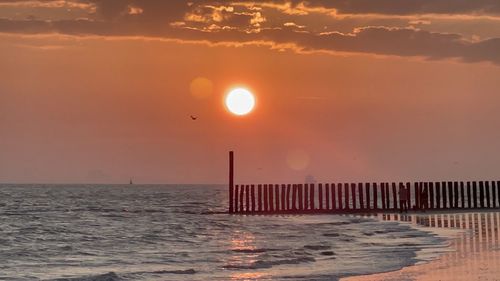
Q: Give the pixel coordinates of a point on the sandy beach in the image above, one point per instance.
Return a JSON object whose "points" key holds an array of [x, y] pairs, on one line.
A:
{"points": [[473, 252]]}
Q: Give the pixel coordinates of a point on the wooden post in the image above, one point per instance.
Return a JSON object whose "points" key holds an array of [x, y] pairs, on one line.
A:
{"points": [[306, 196], [294, 197], [462, 194], [236, 199], [394, 197], [455, 193], [339, 193], [493, 194], [382, 191], [498, 192], [353, 195], [431, 195], [311, 195], [334, 202], [277, 197], [367, 191], [288, 188], [346, 196], [487, 187], [443, 189], [284, 200], [259, 197], [327, 196], [387, 197], [375, 196], [450, 193], [242, 190], [481, 194], [416, 188], [408, 194], [320, 196], [271, 201], [266, 204], [469, 197], [231, 181], [438, 195], [247, 198], [301, 198], [361, 197], [252, 188], [474, 194]]}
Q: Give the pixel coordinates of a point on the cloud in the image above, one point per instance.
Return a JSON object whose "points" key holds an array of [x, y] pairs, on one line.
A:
{"points": [[236, 23]]}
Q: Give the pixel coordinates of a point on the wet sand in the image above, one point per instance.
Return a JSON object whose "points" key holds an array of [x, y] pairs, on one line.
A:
{"points": [[474, 250]]}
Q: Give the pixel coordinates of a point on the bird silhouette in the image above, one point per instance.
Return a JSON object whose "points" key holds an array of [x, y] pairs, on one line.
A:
{"points": [[194, 117]]}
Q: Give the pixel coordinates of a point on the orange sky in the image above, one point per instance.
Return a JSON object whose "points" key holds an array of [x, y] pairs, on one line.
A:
{"points": [[92, 94]]}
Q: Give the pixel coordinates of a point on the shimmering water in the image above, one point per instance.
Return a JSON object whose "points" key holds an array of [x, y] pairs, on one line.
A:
{"points": [[174, 232]]}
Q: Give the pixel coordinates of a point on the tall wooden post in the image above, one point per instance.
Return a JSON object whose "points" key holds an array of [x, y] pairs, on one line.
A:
{"points": [[334, 202], [469, 197], [493, 194], [247, 198], [253, 197], [288, 187], [311, 196], [284, 203], [382, 192], [259, 197], [294, 197], [431, 195], [462, 194], [306, 196], [266, 203], [474, 196], [443, 189], [339, 193], [498, 192], [231, 181], [408, 194], [481, 194], [375, 196], [417, 195], [277, 197], [455, 194], [387, 197], [271, 201], [301, 200], [320, 196]]}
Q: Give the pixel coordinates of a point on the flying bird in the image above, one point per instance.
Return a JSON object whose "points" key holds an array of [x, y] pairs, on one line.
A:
{"points": [[194, 117]]}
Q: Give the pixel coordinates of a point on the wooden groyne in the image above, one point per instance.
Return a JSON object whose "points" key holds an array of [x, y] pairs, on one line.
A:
{"points": [[362, 197]]}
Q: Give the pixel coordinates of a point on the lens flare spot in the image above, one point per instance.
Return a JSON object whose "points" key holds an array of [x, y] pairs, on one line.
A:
{"points": [[297, 159], [201, 88]]}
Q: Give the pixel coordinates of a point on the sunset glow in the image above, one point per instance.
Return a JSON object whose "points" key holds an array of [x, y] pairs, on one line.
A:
{"points": [[240, 101]]}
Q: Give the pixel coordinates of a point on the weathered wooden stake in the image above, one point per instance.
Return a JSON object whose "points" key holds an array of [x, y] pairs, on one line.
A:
{"points": [[247, 198], [339, 193], [487, 188], [301, 198], [252, 194], [462, 194], [408, 194], [284, 200], [498, 192], [481, 194], [327, 196], [431, 195], [450, 193], [311, 195], [387, 197], [353, 195], [455, 193], [394, 196], [266, 202], [294, 197], [382, 191], [320, 196], [259, 197], [231, 181], [469, 197], [242, 190], [416, 187], [443, 189], [493, 194], [271, 198], [346, 196], [277, 197], [375, 196], [306, 196], [236, 199], [361, 197], [334, 202], [367, 191], [438, 195], [474, 190], [288, 188]]}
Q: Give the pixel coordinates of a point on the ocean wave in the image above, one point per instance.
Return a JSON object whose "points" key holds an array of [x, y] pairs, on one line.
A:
{"points": [[110, 276], [260, 264], [185, 271]]}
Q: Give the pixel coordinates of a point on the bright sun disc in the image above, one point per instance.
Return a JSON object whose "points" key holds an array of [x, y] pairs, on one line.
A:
{"points": [[240, 101]]}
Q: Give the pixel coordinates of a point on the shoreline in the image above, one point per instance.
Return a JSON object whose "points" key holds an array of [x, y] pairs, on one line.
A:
{"points": [[473, 253]]}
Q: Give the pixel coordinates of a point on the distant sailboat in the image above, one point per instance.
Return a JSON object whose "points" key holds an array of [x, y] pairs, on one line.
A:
{"points": [[131, 181]]}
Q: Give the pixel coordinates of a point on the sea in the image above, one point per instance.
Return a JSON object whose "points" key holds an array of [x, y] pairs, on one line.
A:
{"points": [[181, 232]]}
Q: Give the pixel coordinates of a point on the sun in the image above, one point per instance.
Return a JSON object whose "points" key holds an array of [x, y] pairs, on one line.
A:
{"points": [[240, 101]]}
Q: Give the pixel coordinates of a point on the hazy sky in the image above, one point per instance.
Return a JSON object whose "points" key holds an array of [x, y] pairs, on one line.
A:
{"points": [[348, 90]]}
